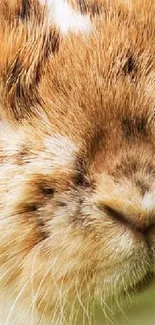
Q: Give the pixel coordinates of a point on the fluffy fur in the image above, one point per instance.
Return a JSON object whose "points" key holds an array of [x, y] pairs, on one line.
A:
{"points": [[77, 185], [64, 17]]}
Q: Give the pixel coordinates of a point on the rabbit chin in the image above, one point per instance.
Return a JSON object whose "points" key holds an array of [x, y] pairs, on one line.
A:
{"points": [[128, 306], [139, 311]]}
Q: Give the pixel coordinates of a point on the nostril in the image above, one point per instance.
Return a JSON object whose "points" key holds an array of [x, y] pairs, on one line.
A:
{"points": [[132, 223], [115, 214], [145, 229]]}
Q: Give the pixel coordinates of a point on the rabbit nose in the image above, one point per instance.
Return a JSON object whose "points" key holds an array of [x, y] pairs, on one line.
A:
{"points": [[141, 221], [123, 202]]}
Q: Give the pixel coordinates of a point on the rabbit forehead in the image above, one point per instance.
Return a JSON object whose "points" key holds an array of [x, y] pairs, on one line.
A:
{"points": [[97, 85], [61, 13], [109, 69]]}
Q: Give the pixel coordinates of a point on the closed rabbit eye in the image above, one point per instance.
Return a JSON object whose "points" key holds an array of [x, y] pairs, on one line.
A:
{"points": [[47, 190]]}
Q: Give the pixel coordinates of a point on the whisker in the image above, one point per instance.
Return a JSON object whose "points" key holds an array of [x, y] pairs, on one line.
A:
{"points": [[15, 302]]}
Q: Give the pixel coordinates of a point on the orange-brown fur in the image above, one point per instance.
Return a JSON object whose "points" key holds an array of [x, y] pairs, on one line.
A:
{"points": [[77, 145]]}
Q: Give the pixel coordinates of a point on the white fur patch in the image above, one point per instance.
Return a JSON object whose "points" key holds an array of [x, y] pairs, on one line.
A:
{"points": [[65, 18], [62, 148], [148, 202]]}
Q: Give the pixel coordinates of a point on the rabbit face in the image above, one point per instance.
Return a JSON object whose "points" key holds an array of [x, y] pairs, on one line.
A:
{"points": [[74, 223], [77, 173]]}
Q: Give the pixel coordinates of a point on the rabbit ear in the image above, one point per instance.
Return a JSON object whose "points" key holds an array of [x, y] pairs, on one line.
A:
{"points": [[27, 41]]}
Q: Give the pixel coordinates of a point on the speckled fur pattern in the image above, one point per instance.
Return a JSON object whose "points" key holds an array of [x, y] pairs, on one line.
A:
{"points": [[77, 170]]}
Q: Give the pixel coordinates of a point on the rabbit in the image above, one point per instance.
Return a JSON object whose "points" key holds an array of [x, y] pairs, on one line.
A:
{"points": [[77, 170]]}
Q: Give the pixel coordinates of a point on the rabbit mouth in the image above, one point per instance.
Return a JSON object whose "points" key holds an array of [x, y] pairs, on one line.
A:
{"points": [[143, 284]]}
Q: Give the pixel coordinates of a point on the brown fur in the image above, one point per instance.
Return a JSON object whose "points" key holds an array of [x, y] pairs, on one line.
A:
{"points": [[77, 156], [93, 7]]}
